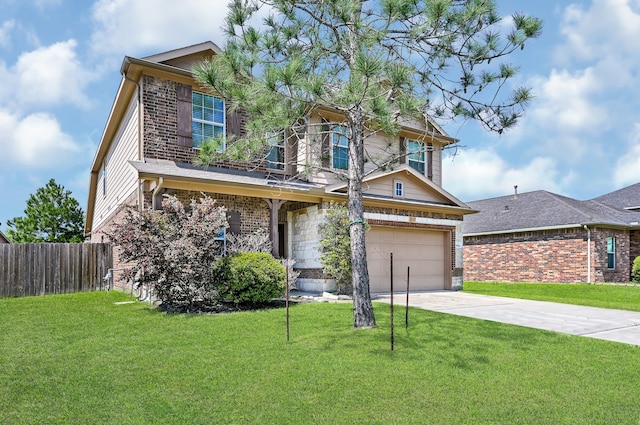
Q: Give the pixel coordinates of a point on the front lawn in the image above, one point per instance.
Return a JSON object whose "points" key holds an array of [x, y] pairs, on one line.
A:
{"points": [[83, 359], [594, 295]]}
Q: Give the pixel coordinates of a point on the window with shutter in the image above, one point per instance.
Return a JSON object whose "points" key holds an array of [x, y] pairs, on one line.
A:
{"points": [[416, 156], [275, 151], [207, 121]]}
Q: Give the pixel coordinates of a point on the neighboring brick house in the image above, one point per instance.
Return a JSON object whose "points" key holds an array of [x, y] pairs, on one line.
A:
{"points": [[160, 115], [543, 237]]}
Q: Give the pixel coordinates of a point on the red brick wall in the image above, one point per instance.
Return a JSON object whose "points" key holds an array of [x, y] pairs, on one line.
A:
{"points": [[546, 256]]}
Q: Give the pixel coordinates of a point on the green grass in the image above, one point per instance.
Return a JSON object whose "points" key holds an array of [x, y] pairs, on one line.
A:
{"points": [[606, 296], [83, 359]]}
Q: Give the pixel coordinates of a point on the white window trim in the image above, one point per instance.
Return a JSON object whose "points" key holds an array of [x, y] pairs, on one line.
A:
{"points": [[213, 123], [422, 151], [611, 252], [335, 131], [398, 184], [283, 145]]}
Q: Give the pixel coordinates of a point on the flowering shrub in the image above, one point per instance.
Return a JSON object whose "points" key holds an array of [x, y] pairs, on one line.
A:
{"points": [[173, 250]]}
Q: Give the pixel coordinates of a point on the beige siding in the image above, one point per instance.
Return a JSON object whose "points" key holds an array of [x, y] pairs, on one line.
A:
{"points": [[437, 165], [121, 177], [413, 188]]}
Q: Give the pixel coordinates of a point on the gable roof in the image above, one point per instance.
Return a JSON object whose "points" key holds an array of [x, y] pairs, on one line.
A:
{"points": [[445, 198], [3, 238], [627, 198], [543, 210]]}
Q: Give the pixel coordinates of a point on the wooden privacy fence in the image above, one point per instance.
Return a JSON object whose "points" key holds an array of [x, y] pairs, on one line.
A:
{"points": [[53, 268]]}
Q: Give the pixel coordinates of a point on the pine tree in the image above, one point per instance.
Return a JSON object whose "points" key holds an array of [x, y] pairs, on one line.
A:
{"points": [[52, 215], [375, 63]]}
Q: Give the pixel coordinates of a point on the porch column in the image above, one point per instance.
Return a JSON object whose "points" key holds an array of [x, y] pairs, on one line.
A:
{"points": [[275, 205]]}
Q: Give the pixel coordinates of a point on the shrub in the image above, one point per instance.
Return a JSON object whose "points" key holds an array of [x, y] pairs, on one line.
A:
{"points": [[635, 270], [292, 274], [258, 241], [249, 278], [172, 250], [335, 247]]}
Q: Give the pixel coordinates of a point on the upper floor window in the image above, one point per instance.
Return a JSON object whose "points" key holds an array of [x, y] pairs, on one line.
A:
{"points": [[415, 155], [340, 147], [275, 151], [611, 253], [207, 118], [398, 190]]}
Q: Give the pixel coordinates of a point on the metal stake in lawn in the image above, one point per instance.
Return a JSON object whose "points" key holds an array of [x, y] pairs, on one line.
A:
{"points": [[286, 302], [391, 260], [406, 308]]}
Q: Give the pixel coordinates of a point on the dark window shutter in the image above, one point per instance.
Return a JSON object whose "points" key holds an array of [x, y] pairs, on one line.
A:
{"points": [[234, 123], [234, 220], [325, 150], [184, 112], [403, 151], [430, 161]]}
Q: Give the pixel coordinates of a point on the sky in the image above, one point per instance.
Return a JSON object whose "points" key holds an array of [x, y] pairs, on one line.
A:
{"points": [[580, 137]]}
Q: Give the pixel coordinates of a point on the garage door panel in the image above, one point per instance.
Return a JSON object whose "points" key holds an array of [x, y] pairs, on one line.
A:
{"points": [[423, 251]]}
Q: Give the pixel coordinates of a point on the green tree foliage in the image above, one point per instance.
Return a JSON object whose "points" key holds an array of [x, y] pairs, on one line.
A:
{"points": [[335, 247], [172, 251], [52, 215], [376, 63], [635, 270]]}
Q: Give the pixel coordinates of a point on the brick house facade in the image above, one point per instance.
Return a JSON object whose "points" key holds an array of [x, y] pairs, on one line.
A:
{"points": [[148, 145], [544, 237]]}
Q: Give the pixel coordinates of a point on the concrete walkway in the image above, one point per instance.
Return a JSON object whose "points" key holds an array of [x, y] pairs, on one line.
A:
{"points": [[612, 325]]}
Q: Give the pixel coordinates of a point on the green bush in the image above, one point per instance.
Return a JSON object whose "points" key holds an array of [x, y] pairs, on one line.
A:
{"points": [[249, 278], [635, 270]]}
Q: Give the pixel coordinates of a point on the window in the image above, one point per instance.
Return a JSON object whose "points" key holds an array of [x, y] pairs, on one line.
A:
{"points": [[415, 155], [207, 118], [275, 152], [340, 147], [398, 191], [611, 253]]}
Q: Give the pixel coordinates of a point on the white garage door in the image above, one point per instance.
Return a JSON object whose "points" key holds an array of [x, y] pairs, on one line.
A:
{"points": [[422, 250]]}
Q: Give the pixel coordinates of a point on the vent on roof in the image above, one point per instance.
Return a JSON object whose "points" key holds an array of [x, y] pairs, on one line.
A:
{"points": [[506, 208]]}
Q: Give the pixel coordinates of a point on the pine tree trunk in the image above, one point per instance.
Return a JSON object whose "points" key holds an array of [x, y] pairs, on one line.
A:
{"points": [[362, 308]]}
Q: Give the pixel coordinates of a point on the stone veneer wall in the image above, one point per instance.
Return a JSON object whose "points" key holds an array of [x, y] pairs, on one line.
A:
{"points": [[545, 256]]}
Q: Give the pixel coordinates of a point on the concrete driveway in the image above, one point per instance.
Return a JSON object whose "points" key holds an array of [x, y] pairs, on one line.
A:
{"points": [[612, 325]]}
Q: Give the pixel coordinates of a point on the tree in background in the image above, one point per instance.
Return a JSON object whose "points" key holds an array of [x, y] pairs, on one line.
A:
{"points": [[52, 215], [375, 63]]}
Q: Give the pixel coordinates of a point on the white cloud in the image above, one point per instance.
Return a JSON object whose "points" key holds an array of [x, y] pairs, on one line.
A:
{"points": [[607, 27], [131, 26], [52, 75], [36, 141], [5, 29], [627, 169], [476, 174]]}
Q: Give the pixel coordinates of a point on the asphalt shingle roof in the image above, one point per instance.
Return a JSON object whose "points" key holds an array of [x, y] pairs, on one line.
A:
{"points": [[625, 198], [542, 209]]}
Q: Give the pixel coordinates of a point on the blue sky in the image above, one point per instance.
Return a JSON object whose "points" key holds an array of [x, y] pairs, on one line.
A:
{"points": [[59, 72]]}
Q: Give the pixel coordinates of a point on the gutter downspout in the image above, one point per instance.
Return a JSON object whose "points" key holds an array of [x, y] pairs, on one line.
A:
{"points": [[588, 253], [155, 193]]}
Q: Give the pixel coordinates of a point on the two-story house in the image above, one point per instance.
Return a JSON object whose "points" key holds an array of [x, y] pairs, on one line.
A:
{"points": [[159, 117]]}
